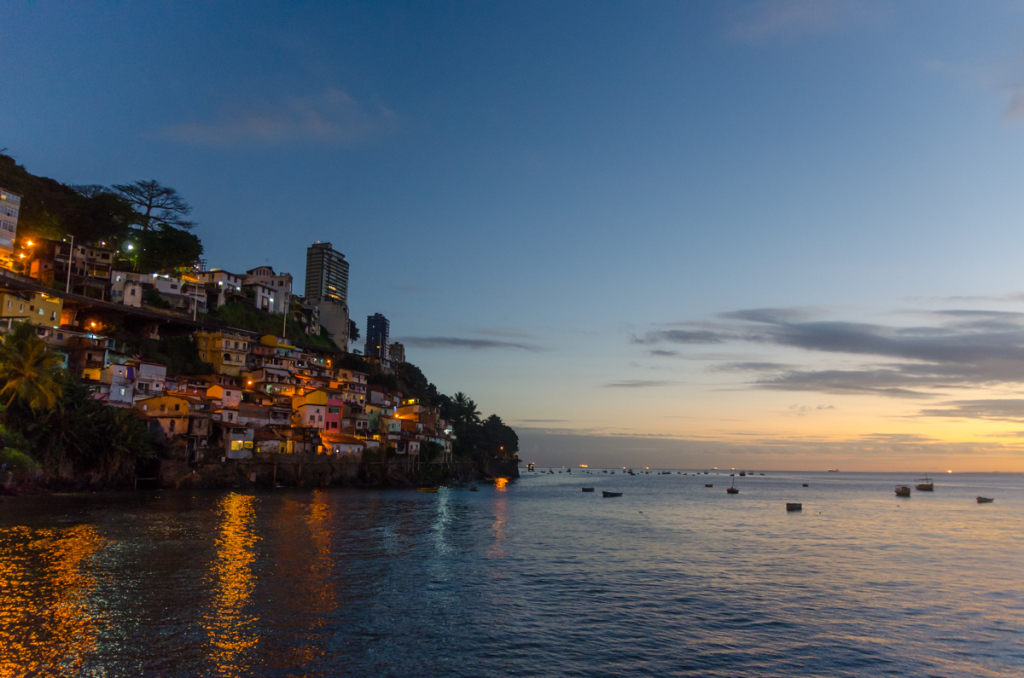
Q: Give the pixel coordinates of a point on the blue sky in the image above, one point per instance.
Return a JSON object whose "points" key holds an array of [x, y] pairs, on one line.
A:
{"points": [[554, 182]]}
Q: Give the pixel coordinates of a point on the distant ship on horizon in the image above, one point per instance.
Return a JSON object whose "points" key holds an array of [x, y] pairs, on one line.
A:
{"points": [[833, 470]]}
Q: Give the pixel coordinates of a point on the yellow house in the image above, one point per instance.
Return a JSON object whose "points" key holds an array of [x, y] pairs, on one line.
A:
{"points": [[35, 307], [310, 410], [225, 350]]}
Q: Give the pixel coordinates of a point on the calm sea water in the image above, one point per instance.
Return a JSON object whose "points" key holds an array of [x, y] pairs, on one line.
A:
{"points": [[536, 578]]}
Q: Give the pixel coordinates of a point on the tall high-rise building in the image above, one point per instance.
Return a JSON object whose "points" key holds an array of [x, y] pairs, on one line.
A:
{"points": [[327, 289], [326, 273], [377, 330]]}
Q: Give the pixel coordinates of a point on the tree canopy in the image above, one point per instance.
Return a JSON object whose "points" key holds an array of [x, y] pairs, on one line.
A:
{"points": [[156, 205], [149, 217]]}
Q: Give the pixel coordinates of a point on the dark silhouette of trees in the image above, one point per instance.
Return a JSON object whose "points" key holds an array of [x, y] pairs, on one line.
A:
{"points": [[156, 205]]}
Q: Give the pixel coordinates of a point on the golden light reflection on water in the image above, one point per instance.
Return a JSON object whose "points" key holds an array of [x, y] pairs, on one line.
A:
{"points": [[231, 629], [47, 624], [497, 548]]}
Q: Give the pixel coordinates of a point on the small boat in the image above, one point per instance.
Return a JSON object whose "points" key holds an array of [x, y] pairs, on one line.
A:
{"points": [[794, 506], [709, 484], [473, 488], [902, 491], [985, 500], [606, 493], [806, 485], [588, 489], [432, 490], [732, 490], [925, 484]]}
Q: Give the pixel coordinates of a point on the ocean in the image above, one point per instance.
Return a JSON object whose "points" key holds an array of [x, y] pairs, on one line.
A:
{"points": [[533, 579]]}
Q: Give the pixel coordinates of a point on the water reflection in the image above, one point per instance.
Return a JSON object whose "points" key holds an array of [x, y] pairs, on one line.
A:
{"points": [[47, 622], [318, 589], [497, 548], [230, 625]]}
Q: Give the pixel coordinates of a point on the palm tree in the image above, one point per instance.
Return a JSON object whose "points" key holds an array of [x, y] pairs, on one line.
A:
{"points": [[465, 408], [28, 369]]}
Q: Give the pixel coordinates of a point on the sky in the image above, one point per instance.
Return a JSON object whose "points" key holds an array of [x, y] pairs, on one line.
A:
{"points": [[778, 235]]}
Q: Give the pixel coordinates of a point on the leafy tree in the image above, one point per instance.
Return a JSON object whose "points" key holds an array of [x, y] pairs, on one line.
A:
{"points": [[28, 369], [180, 354], [353, 331], [50, 209], [80, 435], [167, 249], [156, 205], [245, 317], [153, 298]]}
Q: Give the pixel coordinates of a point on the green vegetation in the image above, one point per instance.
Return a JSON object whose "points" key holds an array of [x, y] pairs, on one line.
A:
{"points": [[179, 354], [28, 369], [476, 439], [81, 437], [54, 423], [244, 317], [153, 298], [145, 215]]}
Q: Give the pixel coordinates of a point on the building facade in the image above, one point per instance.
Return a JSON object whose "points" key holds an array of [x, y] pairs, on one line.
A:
{"points": [[327, 289], [377, 342], [280, 284], [10, 205]]}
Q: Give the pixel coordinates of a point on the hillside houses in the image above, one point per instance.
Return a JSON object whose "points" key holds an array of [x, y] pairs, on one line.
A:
{"points": [[155, 344]]}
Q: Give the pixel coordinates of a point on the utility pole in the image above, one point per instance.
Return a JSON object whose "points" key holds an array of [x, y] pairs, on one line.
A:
{"points": [[71, 257]]}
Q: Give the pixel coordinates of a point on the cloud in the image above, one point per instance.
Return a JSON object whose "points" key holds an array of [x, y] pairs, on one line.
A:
{"points": [[638, 383], [897, 438], [750, 366], [952, 349], [772, 315], [329, 117], [684, 337], [763, 21], [460, 342], [992, 409], [804, 410], [507, 332]]}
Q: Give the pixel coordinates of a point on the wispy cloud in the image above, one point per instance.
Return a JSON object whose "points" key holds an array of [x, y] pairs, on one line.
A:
{"points": [[639, 383], [330, 117], [767, 20], [953, 349], [804, 410], [897, 438], [465, 343], [507, 332], [993, 409]]}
